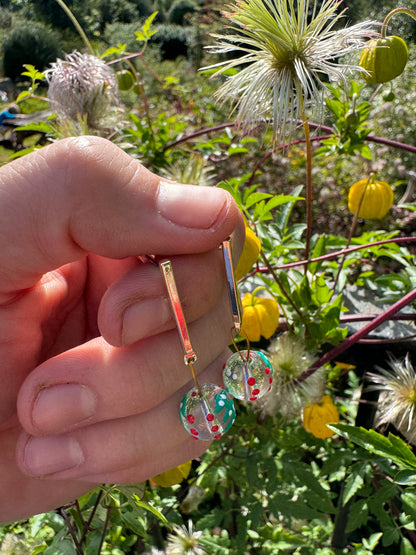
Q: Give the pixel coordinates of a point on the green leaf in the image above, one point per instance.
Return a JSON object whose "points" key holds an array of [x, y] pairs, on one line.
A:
{"points": [[150, 508], [372, 541], [322, 291], [40, 126], [406, 548], [405, 478], [22, 95], [408, 498], [318, 250], [32, 72], [114, 50], [358, 515], [391, 447], [145, 33], [353, 482], [254, 198]]}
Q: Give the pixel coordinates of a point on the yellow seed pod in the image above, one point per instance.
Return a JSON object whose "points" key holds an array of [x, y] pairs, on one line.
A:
{"points": [[250, 254], [172, 476], [260, 317], [377, 198], [383, 59], [317, 416]]}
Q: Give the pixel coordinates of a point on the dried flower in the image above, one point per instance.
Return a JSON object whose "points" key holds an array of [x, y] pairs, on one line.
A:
{"points": [[290, 357], [82, 86], [287, 46], [184, 541], [397, 400]]}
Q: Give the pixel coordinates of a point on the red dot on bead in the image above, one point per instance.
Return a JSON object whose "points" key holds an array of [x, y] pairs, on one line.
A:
{"points": [[253, 398], [223, 366], [255, 391], [193, 394], [269, 388], [267, 370], [191, 418], [214, 428], [217, 436], [194, 432], [251, 381], [210, 417], [271, 380]]}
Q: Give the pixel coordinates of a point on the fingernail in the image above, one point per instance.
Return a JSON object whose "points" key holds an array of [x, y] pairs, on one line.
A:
{"points": [[48, 455], [144, 319], [60, 407], [191, 205]]}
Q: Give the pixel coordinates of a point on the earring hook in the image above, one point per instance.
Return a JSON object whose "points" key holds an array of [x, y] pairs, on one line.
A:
{"points": [[190, 355]]}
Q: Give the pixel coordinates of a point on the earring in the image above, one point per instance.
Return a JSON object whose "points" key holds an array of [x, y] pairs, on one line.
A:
{"points": [[247, 375], [207, 410]]}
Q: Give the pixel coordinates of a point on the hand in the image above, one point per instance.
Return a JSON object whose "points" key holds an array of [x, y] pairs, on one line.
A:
{"points": [[92, 367]]}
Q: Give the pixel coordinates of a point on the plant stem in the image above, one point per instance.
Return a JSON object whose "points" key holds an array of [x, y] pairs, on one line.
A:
{"points": [[355, 337], [76, 25], [342, 253], [71, 530], [324, 128], [282, 288], [308, 144], [143, 96], [354, 223], [394, 12]]}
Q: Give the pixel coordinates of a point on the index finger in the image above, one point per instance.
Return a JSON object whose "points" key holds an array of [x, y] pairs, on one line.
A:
{"points": [[83, 195]]}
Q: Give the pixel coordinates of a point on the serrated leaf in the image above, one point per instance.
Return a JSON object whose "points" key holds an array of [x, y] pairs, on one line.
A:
{"points": [[390, 447], [145, 33], [357, 516], [353, 482]]}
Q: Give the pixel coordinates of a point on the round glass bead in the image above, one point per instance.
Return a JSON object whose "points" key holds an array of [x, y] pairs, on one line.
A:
{"points": [[248, 375], [209, 415]]}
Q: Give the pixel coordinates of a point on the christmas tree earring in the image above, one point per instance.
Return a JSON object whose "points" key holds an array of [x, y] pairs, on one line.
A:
{"points": [[247, 374], [207, 410]]}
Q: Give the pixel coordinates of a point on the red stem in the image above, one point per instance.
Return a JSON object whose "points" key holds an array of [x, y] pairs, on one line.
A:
{"points": [[347, 343]]}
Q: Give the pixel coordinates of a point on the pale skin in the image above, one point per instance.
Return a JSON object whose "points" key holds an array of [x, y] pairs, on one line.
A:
{"points": [[92, 368]]}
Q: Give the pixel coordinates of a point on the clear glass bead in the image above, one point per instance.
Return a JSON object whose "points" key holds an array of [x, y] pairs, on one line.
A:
{"points": [[209, 415], [248, 375]]}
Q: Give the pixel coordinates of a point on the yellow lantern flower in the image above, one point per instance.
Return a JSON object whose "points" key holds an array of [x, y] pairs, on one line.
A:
{"points": [[384, 59], [172, 476], [250, 254], [317, 416], [260, 317], [377, 198]]}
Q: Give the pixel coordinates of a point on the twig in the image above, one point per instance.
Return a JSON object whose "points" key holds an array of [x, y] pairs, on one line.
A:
{"points": [[88, 523], [71, 530], [347, 343]]}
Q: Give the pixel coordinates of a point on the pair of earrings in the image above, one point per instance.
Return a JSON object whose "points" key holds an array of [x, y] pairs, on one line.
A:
{"points": [[207, 411]]}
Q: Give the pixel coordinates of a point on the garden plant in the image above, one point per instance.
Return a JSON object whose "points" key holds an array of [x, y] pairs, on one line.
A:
{"points": [[307, 120]]}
